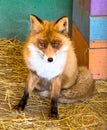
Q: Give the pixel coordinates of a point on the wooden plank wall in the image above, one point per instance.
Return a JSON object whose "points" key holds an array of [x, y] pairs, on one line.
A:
{"points": [[98, 7], [89, 31], [81, 12], [98, 39], [14, 15], [80, 29], [98, 59], [98, 28]]}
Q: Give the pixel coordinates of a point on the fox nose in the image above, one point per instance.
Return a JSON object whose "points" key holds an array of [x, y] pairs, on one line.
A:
{"points": [[50, 59]]}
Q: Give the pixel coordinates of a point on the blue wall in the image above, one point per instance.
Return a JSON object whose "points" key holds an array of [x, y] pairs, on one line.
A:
{"points": [[14, 14], [98, 28]]}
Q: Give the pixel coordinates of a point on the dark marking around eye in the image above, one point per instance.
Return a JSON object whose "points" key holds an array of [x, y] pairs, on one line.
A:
{"points": [[42, 45], [56, 45]]}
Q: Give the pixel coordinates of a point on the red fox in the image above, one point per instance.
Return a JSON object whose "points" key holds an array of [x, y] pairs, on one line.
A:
{"points": [[51, 60]]}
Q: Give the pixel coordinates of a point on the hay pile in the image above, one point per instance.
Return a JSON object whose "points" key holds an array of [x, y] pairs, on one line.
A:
{"points": [[89, 115]]}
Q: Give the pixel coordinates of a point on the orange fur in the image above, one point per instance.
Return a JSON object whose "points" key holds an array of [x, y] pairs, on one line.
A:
{"points": [[66, 81], [49, 32]]}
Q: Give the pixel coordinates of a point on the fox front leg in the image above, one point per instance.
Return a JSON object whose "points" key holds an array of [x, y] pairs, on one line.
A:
{"points": [[54, 107], [55, 91], [30, 85], [21, 105]]}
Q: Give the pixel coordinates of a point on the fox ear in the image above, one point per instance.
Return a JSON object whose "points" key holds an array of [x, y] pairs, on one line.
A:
{"points": [[36, 23], [61, 25]]}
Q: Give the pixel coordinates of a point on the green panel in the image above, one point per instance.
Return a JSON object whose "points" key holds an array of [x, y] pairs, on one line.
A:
{"points": [[14, 14]]}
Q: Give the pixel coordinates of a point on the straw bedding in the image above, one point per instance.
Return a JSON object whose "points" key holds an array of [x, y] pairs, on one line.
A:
{"points": [[88, 115]]}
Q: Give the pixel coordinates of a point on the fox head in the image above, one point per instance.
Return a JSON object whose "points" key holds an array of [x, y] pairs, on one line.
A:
{"points": [[49, 38]]}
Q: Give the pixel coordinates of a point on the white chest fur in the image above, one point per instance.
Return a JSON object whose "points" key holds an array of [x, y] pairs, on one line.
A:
{"points": [[45, 69]]}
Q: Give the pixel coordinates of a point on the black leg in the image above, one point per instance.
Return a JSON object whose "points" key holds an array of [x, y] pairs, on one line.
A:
{"points": [[23, 101], [54, 107]]}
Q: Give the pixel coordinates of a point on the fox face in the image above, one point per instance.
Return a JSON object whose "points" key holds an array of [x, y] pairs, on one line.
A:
{"points": [[49, 49], [47, 44]]}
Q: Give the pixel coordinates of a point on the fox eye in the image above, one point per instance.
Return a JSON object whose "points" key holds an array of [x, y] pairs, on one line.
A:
{"points": [[56, 45], [42, 45]]}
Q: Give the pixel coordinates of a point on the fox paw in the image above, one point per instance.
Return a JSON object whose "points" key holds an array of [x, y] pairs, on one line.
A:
{"points": [[54, 113], [19, 107]]}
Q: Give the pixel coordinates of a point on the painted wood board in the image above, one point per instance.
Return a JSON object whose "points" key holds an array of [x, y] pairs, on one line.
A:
{"points": [[80, 45], [98, 28], [85, 4], [98, 63], [98, 7], [14, 15], [98, 44], [81, 18]]}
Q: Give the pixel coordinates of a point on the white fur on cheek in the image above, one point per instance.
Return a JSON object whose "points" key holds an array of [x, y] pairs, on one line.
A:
{"points": [[45, 69]]}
